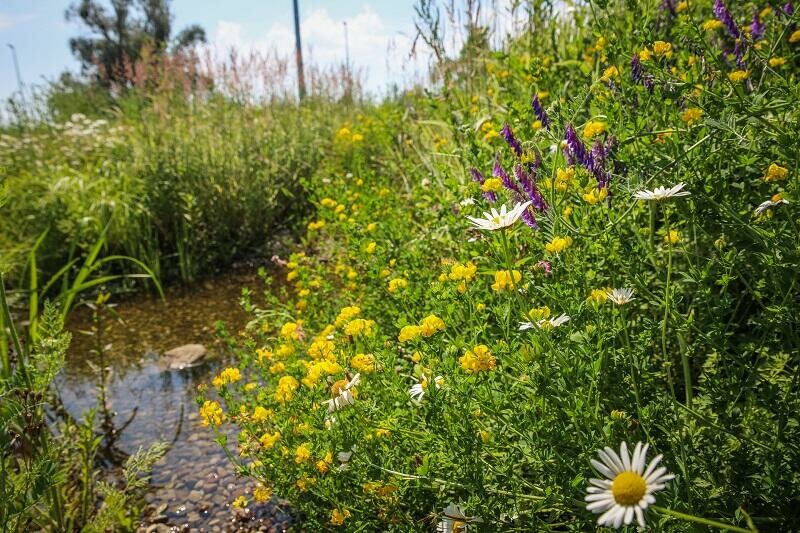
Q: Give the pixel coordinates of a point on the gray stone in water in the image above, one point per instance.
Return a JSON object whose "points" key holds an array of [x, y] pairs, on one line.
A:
{"points": [[185, 356]]}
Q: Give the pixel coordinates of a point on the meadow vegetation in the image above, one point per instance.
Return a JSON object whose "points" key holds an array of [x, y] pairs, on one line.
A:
{"points": [[585, 239]]}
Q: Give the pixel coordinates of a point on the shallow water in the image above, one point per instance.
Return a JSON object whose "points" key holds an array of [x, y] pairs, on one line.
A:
{"points": [[193, 485]]}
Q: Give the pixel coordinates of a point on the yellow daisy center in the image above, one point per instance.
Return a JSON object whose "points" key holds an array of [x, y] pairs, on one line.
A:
{"points": [[497, 220], [628, 488]]}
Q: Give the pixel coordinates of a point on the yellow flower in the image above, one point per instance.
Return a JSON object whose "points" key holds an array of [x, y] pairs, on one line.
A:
{"points": [[465, 272], [775, 172], [505, 280], [211, 413], [492, 184], [738, 76], [363, 362], [260, 414], [292, 330], [285, 390], [479, 359], [794, 37], [338, 517], [645, 55], [681, 6], [673, 237], [382, 432], [358, 326], [302, 453], [268, 440], [357, 138], [777, 61], [262, 493], [598, 295], [661, 48], [558, 244], [304, 483], [327, 202], [277, 367], [593, 129], [408, 333], [691, 115], [593, 195], [240, 502], [610, 73], [229, 375], [344, 133], [347, 314], [315, 225], [712, 25], [537, 125], [397, 284], [538, 313], [430, 325], [284, 350]]}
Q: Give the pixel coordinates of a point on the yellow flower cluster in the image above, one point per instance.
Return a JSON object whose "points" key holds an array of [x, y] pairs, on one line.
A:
{"points": [[775, 172], [360, 326], [738, 76], [302, 453], [593, 128], [558, 244], [268, 440], [346, 314], [429, 326], [397, 284], [598, 296], [262, 493], [492, 185], [316, 370], [539, 313], [316, 224], [338, 517], [363, 362], [292, 330], [211, 413], [285, 390], [691, 115], [260, 414], [478, 359], [593, 195], [463, 273], [505, 280], [229, 375]]}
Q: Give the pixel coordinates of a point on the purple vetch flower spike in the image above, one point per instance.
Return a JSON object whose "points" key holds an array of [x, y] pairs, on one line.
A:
{"points": [[512, 141], [498, 172], [576, 147], [528, 218], [788, 9], [738, 53], [598, 167], [636, 68], [725, 17], [539, 111], [756, 28], [612, 143], [530, 188]]}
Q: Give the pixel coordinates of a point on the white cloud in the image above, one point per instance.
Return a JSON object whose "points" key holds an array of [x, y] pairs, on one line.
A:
{"points": [[382, 53]]}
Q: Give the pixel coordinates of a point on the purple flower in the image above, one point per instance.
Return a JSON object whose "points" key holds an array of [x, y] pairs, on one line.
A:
{"points": [[738, 53], [667, 5], [512, 141], [576, 147], [788, 8], [530, 188], [538, 110], [756, 28], [724, 15], [498, 172], [546, 266], [478, 177], [528, 218], [598, 165], [637, 70]]}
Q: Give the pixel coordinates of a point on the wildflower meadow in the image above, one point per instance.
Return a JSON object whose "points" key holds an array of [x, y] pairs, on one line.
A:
{"points": [[555, 290]]}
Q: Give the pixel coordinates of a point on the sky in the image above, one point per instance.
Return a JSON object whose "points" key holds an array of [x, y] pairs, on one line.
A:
{"points": [[380, 34]]}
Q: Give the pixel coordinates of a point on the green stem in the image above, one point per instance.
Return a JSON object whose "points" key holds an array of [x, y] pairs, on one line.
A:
{"points": [[664, 353], [700, 520]]}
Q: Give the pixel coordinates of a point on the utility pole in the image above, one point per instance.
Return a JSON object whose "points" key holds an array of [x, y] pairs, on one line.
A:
{"points": [[16, 69], [301, 79]]}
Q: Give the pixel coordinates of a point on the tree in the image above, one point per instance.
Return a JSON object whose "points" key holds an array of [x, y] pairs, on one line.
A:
{"points": [[119, 35]]}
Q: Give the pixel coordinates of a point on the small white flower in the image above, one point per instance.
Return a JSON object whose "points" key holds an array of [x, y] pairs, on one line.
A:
{"points": [[495, 220], [628, 486], [455, 521], [417, 391], [763, 206], [662, 193], [467, 202], [621, 296], [345, 396], [344, 459], [545, 323]]}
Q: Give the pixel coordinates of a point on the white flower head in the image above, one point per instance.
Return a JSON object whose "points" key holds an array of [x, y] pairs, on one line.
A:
{"points": [[494, 219], [467, 202], [763, 206], [545, 323], [345, 396], [417, 391], [621, 296], [662, 193], [455, 521], [628, 486]]}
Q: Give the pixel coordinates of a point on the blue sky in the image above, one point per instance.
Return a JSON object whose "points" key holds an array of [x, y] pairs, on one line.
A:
{"points": [[40, 33]]}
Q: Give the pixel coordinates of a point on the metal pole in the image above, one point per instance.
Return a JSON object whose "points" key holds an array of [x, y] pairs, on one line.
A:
{"points": [[301, 79], [16, 69]]}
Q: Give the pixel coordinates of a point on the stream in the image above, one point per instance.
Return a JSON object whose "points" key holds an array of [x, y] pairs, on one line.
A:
{"points": [[193, 486]]}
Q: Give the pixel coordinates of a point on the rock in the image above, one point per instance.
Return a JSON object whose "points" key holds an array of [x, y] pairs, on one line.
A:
{"points": [[195, 496], [184, 356], [157, 528]]}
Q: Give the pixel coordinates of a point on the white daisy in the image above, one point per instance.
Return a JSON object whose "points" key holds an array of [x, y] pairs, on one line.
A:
{"points": [[417, 391], [345, 396], [455, 521], [545, 323], [763, 206], [662, 193], [493, 220], [629, 486], [621, 296]]}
